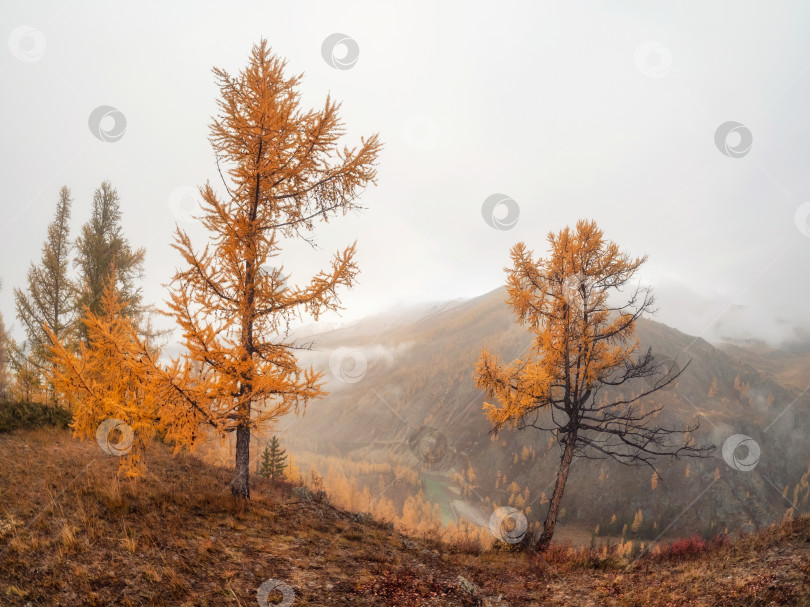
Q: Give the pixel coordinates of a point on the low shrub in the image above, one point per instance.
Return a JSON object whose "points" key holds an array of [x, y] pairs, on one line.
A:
{"points": [[27, 415], [689, 547], [686, 547]]}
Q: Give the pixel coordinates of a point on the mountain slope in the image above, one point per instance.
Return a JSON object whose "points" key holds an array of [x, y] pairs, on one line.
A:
{"points": [[416, 372], [72, 534]]}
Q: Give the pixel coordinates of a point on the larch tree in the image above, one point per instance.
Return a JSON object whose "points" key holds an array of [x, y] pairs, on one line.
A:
{"points": [[29, 383], [103, 254], [577, 379], [283, 172], [49, 298], [113, 376]]}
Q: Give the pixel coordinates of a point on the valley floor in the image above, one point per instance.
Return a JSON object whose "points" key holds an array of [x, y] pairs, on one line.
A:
{"points": [[71, 533]]}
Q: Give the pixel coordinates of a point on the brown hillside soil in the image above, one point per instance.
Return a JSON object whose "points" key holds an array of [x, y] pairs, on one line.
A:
{"points": [[72, 534]]}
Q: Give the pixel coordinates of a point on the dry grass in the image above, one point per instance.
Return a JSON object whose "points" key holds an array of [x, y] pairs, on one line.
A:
{"points": [[72, 533]]}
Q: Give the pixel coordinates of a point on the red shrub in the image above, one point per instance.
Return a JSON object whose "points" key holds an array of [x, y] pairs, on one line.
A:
{"points": [[685, 548]]}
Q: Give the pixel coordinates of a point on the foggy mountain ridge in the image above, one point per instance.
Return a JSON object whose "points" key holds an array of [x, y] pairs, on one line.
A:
{"points": [[391, 379]]}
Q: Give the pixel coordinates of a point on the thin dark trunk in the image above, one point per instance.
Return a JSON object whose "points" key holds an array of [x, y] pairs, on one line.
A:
{"points": [[240, 487], [241, 479], [559, 488]]}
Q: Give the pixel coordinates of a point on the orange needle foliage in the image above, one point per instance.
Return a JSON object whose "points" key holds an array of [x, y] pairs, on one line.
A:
{"points": [[283, 171], [583, 343], [118, 377], [563, 301]]}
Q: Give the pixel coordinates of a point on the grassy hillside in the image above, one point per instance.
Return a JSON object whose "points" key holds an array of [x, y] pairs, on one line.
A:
{"points": [[72, 533]]}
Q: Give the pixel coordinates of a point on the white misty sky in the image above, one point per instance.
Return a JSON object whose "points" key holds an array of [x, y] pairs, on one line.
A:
{"points": [[548, 103]]}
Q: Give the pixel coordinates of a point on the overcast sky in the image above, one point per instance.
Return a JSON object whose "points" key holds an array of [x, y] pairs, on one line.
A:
{"points": [[605, 110]]}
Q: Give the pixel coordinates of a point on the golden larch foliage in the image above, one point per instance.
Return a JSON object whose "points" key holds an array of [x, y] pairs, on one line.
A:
{"points": [[545, 295], [283, 171], [638, 519]]}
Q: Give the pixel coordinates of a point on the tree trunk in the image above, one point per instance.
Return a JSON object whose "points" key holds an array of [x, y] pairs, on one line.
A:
{"points": [[554, 507], [240, 487]]}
